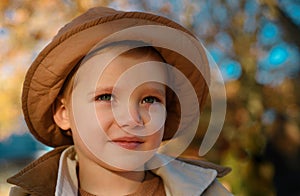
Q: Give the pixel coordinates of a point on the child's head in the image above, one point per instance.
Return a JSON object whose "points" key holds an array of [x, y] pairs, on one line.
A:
{"points": [[122, 106], [59, 61]]}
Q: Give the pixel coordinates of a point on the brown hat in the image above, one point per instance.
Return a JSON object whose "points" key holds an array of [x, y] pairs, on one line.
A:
{"points": [[48, 72]]}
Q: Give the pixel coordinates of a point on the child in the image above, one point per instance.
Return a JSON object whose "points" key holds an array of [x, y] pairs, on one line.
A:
{"points": [[107, 90]]}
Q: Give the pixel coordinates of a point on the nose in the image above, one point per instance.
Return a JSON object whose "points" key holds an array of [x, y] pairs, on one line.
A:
{"points": [[129, 117]]}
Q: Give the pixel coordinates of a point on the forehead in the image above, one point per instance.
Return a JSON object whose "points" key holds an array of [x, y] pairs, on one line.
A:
{"points": [[108, 68], [137, 63], [126, 61]]}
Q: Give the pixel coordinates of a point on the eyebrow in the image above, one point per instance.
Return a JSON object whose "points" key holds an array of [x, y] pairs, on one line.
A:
{"points": [[110, 89], [107, 89], [152, 89]]}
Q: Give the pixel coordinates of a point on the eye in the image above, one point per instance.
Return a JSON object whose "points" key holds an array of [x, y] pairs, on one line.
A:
{"points": [[104, 97], [150, 99]]}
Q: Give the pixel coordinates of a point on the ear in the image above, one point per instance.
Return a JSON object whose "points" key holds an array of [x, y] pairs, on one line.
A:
{"points": [[61, 114]]}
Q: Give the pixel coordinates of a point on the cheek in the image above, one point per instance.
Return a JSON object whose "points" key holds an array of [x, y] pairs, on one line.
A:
{"points": [[104, 116], [156, 138]]}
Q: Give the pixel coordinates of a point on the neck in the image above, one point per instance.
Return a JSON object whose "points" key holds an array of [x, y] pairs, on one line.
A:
{"points": [[98, 180]]}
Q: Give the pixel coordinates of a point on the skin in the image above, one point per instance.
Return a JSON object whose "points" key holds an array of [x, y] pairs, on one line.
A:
{"points": [[95, 175]]}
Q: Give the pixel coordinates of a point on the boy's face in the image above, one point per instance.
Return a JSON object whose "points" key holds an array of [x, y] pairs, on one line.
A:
{"points": [[128, 111]]}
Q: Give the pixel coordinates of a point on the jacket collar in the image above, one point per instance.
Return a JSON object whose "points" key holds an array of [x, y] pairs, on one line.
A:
{"points": [[180, 177], [39, 177]]}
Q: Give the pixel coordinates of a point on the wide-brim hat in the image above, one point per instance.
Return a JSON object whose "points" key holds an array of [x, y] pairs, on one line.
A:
{"points": [[50, 69]]}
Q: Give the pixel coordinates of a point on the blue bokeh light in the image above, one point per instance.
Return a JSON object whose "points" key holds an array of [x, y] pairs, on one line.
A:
{"points": [[216, 53], [268, 116], [224, 41], [269, 78], [281, 62], [251, 7], [269, 34], [4, 31], [230, 69], [250, 24], [203, 21], [292, 9], [294, 12], [278, 55], [220, 15], [270, 30]]}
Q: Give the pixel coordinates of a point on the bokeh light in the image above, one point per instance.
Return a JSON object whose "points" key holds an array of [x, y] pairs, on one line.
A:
{"points": [[278, 55], [269, 34], [230, 69], [269, 116], [292, 8]]}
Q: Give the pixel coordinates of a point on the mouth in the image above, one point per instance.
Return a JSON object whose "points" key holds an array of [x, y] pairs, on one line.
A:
{"points": [[129, 143]]}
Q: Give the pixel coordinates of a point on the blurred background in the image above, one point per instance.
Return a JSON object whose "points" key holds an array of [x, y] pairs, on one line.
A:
{"points": [[256, 44]]}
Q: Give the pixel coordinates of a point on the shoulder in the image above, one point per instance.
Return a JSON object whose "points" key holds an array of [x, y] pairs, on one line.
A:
{"points": [[215, 188], [221, 170], [38, 176], [190, 177]]}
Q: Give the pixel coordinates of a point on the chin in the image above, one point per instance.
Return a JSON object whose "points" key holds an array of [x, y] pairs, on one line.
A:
{"points": [[128, 161]]}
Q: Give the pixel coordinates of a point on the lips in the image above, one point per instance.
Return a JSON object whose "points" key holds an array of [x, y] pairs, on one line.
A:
{"points": [[129, 143]]}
